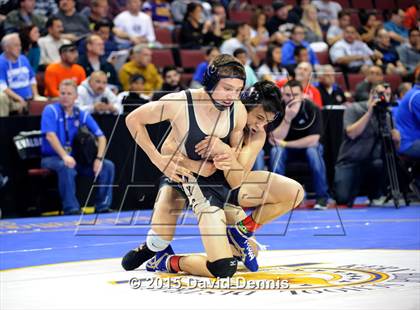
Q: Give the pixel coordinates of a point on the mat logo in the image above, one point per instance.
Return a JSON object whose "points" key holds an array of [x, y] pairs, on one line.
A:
{"points": [[308, 278]]}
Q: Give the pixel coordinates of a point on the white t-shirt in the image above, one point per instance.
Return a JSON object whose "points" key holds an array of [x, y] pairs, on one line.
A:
{"points": [[274, 73], [139, 25], [230, 45], [50, 49], [327, 10], [343, 48]]}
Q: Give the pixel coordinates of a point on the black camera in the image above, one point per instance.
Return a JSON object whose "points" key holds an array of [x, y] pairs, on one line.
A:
{"points": [[380, 96], [383, 103]]}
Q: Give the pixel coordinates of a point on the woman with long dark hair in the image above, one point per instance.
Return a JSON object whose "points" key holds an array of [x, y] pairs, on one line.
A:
{"points": [[370, 24], [29, 37], [272, 69]]}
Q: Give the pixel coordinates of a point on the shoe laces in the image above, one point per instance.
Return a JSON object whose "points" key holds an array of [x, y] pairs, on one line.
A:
{"points": [[250, 251]]}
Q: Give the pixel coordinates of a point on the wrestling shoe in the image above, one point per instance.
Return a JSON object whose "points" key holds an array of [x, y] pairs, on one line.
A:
{"points": [[135, 258], [241, 243], [160, 262]]}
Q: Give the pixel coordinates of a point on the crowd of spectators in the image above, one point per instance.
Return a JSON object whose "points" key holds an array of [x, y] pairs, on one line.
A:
{"points": [[107, 47]]}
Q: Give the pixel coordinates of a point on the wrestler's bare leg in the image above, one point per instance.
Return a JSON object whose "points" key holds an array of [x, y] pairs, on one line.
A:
{"points": [[168, 206], [212, 224], [272, 194]]}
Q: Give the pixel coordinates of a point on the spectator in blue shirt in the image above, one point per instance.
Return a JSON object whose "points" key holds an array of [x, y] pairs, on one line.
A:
{"points": [[407, 118], [197, 80], [296, 39], [409, 53], [397, 31], [17, 79], [59, 124], [390, 60], [104, 30]]}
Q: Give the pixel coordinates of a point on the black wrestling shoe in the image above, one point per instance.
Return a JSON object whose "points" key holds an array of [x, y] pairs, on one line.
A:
{"points": [[135, 258]]}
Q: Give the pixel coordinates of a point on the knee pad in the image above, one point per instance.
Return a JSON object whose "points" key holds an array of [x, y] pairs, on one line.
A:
{"points": [[155, 243], [223, 268]]}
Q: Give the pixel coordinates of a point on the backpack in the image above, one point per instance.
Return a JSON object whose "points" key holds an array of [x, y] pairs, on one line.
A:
{"points": [[84, 146]]}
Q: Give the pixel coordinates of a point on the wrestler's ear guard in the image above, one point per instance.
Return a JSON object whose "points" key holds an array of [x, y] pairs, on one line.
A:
{"points": [[212, 75], [250, 96]]}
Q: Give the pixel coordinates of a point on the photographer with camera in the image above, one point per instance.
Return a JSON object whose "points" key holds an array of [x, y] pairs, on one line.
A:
{"points": [[360, 157], [74, 144]]}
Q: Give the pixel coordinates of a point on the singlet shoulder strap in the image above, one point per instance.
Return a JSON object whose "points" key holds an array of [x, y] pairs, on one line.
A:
{"points": [[191, 115], [232, 118]]}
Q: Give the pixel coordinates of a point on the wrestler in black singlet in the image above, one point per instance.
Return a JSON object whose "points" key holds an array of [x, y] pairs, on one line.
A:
{"points": [[214, 188]]}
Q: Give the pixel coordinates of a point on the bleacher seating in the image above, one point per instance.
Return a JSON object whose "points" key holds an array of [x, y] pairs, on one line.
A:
{"points": [[379, 16], [404, 4], [385, 5], [175, 34], [162, 58], [40, 81], [261, 2], [323, 57], [341, 81], [355, 21], [186, 78], [35, 107], [240, 16], [190, 59], [394, 80], [343, 3], [363, 4], [163, 35], [353, 80]]}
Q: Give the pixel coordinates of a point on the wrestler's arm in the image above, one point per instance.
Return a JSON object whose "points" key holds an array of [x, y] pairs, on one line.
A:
{"points": [[236, 161], [170, 146], [152, 113], [251, 149], [246, 159], [201, 167], [236, 174]]}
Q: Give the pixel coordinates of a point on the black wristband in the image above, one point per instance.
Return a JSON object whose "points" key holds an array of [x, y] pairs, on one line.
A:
{"points": [[100, 158]]}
